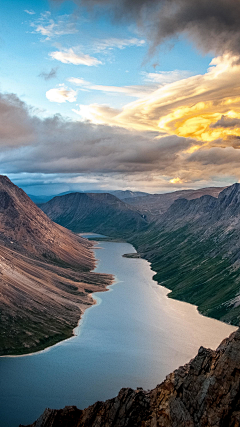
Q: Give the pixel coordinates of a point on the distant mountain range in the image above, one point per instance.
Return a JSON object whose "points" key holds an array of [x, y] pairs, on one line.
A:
{"points": [[120, 194], [159, 203], [45, 275]]}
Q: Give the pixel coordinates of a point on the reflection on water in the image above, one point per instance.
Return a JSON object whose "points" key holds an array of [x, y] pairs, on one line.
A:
{"points": [[134, 337]]}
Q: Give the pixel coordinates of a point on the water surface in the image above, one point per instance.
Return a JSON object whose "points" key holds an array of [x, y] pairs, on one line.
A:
{"points": [[134, 337]]}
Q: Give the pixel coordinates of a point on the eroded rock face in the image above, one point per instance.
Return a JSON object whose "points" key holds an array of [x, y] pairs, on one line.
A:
{"points": [[203, 393]]}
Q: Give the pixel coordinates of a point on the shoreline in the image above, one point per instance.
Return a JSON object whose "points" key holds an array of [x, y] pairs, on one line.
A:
{"points": [[133, 255], [82, 307]]}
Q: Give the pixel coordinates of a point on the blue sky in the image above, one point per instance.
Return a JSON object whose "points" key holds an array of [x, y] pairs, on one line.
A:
{"points": [[99, 76], [25, 52]]}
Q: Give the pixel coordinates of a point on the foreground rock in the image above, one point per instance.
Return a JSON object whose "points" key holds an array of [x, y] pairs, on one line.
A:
{"points": [[45, 275], [203, 393]]}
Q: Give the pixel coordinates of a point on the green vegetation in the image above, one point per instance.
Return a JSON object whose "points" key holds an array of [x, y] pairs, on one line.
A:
{"points": [[195, 269]]}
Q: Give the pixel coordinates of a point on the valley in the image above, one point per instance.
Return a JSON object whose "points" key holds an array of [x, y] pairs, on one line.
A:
{"points": [[193, 246]]}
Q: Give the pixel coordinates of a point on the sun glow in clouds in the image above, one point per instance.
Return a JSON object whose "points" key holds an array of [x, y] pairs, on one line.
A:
{"points": [[188, 108]]}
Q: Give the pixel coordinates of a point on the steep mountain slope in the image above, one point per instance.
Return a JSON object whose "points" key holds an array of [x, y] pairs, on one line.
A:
{"points": [[157, 204], [45, 277], [99, 212], [203, 393], [195, 249]]}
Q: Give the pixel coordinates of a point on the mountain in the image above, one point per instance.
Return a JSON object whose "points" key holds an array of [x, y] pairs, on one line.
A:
{"points": [[120, 194], [96, 212], [203, 393], [194, 248], [45, 275], [44, 198], [159, 203], [127, 194], [40, 199]]}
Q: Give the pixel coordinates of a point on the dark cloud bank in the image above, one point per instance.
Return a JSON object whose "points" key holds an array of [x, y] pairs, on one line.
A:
{"points": [[57, 145], [213, 25]]}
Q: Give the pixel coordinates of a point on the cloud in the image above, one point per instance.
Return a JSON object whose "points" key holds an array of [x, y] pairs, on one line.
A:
{"points": [[68, 56], [112, 42], [212, 25], [136, 91], [30, 12], [50, 75], [13, 111], [165, 77], [113, 155], [47, 27], [226, 122], [61, 94], [186, 108]]}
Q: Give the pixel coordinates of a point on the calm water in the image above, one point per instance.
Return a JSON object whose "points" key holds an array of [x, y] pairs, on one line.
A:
{"points": [[134, 337]]}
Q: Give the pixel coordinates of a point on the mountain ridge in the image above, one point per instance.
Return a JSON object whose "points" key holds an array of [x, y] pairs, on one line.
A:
{"points": [[45, 271]]}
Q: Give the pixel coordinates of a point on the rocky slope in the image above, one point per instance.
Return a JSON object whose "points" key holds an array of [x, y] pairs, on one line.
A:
{"points": [[98, 212], [203, 393], [45, 275], [157, 204], [195, 249]]}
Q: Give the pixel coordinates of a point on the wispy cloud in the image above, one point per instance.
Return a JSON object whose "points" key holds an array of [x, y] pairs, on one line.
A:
{"points": [[30, 12], [117, 43], [61, 94], [49, 75], [47, 27], [136, 91], [69, 56], [166, 77]]}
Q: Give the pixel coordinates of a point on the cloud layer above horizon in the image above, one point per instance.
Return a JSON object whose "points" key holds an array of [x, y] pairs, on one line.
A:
{"points": [[57, 145], [157, 129]]}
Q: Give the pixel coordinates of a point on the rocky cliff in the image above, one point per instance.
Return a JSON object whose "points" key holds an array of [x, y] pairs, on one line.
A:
{"points": [[45, 275], [203, 393]]}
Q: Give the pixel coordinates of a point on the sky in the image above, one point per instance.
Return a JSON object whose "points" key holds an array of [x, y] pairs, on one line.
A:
{"points": [[116, 94]]}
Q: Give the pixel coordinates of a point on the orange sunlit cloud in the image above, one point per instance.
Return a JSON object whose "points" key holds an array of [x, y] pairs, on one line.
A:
{"points": [[187, 108]]}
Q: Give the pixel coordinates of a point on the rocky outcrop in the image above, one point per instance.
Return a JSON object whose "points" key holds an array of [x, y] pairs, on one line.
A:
{"points": [[203, 393], [45, 275]]}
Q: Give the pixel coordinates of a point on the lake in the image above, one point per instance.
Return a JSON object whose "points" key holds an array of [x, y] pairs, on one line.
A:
{"points": [[133, 337]]}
